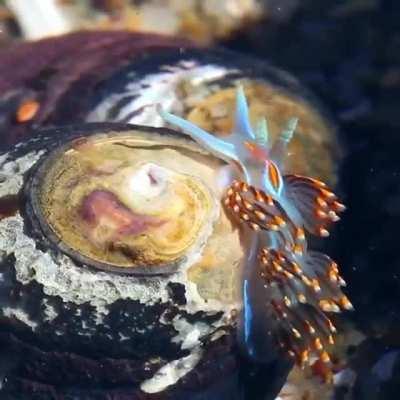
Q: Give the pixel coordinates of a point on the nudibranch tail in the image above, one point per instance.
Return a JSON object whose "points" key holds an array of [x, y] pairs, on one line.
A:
{"points": [[300, 297], [285, 279]]}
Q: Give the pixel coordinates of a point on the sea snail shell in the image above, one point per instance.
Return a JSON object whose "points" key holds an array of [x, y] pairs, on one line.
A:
{"points": [[65, 305]]}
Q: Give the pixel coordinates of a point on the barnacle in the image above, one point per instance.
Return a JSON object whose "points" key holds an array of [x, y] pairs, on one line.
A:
{"points": [[295, 286]]}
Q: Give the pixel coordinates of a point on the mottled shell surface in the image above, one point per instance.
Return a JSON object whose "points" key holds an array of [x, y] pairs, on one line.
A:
{"points": [[144, 306], [119, 268]]}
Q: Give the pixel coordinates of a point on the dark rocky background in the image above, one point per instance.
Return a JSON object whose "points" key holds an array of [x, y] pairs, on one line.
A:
{"points": [[348, 53]]}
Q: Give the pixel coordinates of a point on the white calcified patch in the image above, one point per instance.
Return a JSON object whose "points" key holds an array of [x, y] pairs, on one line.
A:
{"points": [[12, 172], [3, 158], [170, 373], [49, 311], [189, 333], [60, 276], [162, 88], [141, 184], [20, 315]]}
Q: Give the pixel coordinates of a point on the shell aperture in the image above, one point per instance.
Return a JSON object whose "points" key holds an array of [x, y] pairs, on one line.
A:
{"points": [[125, 203]]}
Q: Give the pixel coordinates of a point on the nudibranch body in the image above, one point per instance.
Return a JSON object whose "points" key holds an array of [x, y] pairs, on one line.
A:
{"points": [[287, 288]]}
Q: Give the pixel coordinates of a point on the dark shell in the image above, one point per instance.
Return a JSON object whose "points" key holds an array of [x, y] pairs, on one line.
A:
{"points": [[72, 83], [59, 346]]}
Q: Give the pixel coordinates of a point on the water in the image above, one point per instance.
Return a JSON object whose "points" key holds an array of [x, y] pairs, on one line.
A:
{"points": [[348, 54]]}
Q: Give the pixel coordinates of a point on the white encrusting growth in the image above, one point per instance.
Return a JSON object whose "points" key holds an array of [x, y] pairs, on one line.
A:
{"points": [[170, 373], [49, 311], [189, 334], [61, 277], [12, 171], [20, 315]]}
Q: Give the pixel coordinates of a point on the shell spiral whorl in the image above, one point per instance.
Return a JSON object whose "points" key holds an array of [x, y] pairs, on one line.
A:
{"points": [[298, 286]]}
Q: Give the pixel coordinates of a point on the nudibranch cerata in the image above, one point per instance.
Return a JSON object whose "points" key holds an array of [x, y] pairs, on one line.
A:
{"points": [[287, 288]]}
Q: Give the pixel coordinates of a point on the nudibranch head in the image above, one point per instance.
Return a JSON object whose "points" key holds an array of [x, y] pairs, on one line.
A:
{"points": [[250, 149], [296, 286], [307, 202]]}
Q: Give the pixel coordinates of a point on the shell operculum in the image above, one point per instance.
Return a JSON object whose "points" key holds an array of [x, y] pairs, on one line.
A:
{"points": [[123, 202]]}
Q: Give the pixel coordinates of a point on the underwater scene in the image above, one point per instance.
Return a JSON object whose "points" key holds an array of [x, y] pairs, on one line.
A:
{"points": [[199, 200]]}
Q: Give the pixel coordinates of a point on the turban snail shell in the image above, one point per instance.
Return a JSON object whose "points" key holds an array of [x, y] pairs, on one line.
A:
{"points": [[119, 267], [115, 224]]}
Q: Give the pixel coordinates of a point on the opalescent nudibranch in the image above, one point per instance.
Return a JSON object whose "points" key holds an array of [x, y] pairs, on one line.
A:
{"points": [[287, 288]]}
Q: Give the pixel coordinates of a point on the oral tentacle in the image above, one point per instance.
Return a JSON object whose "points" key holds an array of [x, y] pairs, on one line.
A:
{"points": [[221, 148]]}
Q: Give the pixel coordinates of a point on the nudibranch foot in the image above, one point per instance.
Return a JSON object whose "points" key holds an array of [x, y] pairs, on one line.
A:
{"points": [[317, 205]]}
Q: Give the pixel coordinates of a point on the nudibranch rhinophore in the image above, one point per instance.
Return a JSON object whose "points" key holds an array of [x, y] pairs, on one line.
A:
{"points": [[287, 288]]}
